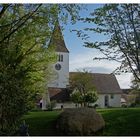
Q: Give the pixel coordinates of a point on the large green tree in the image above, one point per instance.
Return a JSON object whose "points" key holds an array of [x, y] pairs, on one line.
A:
{"points": [[120, 25], [24, 57], [84, 92]]}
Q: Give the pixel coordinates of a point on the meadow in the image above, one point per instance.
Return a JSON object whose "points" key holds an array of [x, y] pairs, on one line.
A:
{"points": [[119, 122]]}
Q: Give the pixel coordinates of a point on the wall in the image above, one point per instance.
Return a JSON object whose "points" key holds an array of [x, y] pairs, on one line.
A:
{"points": [[61, 78], [115, 102], [65, 105]]}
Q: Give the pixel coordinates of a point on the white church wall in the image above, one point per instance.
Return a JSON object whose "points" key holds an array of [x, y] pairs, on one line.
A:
{"points": [[115, 101], [61, 80], [100, 101], [65, 105]]}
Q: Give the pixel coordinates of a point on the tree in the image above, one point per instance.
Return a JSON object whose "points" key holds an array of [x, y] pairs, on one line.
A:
{"points": [[135, 86], [84, 91], [120, 24], [90, 97], [24, 57], [77, 97]]}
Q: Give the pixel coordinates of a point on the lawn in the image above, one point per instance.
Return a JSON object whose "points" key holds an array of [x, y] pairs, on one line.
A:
{"points": [[119, 122], [42, 123]]}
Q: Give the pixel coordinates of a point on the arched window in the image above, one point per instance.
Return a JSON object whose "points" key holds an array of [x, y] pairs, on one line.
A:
{"points": [[106, 100]]}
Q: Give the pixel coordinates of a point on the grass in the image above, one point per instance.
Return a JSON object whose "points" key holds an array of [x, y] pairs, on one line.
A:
{"points": [[119, 122], [42, 123]]}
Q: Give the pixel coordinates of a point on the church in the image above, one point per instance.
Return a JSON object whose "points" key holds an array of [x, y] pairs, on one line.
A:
{"points": [[109, 92]]}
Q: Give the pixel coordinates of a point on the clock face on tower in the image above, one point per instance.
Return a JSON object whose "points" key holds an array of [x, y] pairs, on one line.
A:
{"points": [[57, 66]]}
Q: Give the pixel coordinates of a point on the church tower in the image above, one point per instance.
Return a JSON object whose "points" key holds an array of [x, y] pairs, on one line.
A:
{"points": [[61, 67]]}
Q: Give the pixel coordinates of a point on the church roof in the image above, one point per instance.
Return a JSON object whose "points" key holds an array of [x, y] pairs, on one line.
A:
{"points": [[57, 39], [104, 83]]}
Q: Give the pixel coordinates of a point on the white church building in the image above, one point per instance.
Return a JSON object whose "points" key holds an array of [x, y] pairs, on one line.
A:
{"points": [[109, 92]]}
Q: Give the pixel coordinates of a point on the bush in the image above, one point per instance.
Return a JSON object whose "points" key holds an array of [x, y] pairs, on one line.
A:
{"points": [[51, 105], [84, 99], [96, 105], [124, 105], [132, 105], [79, 122]]}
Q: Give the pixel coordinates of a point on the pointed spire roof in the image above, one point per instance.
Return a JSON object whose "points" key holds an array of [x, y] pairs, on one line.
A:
{"points": [[57, 39]]}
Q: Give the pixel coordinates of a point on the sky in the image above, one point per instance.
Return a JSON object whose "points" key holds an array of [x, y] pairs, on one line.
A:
{"points": [[82, 58]]}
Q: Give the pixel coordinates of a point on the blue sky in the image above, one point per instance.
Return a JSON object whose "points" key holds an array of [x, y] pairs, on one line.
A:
{"points": [[81, 57]]}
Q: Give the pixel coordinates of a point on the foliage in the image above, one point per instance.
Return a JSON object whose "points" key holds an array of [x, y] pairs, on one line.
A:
{"points": [[95, 106], [135, 84], [76, 97], [24, 57], [131, 99], [51, 105], [83, 89], [119, 24], [124, 105], [136, 90], [89, 97], [79, 122]]}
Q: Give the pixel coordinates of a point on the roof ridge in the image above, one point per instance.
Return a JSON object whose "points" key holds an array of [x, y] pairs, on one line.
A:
{"points": [[95, 73]]}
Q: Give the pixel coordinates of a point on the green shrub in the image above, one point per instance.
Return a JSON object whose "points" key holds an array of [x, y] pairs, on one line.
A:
{"points": [[96, 105], [132, 105], [51, 105], [124, 105], [84, 99]]}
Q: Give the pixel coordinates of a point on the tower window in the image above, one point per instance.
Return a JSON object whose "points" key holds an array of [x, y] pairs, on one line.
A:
{"points": [[60, 58]]}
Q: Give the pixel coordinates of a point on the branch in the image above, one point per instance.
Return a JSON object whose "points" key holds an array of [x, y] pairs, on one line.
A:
{"points": [[5, 6], [18, 27], [134, 72]]}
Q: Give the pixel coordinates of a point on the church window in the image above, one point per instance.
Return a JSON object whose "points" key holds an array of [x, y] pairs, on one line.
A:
{"points": [[112, 96], [60, 58]]}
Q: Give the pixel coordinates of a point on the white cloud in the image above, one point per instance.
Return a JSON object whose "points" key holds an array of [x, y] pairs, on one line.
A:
{"points": [[124, 80], [85, 60]]}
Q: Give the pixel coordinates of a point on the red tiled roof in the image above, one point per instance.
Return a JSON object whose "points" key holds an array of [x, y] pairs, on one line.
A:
{"points": [[59, 94]]}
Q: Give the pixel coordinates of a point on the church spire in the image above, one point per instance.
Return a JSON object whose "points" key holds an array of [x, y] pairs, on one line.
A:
{"points": [[57, 39]]}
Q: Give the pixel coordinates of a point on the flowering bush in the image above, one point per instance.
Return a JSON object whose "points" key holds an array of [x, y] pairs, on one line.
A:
{"points": [[84, 99]]}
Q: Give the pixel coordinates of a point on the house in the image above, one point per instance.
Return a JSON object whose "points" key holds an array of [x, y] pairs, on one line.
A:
{"points": [[106, 84]]}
